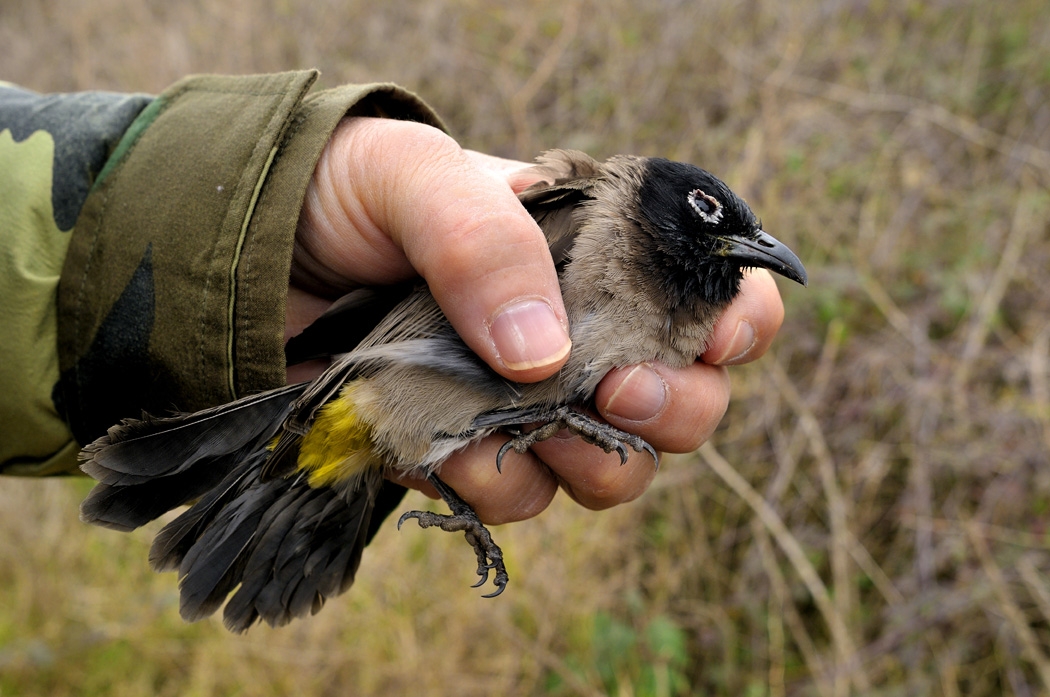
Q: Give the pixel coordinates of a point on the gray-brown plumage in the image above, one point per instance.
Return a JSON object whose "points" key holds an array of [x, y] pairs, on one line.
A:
{"points": [[649, 253]]}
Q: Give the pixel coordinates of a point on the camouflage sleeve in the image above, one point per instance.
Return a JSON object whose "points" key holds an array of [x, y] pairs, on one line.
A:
{"points": [[51, 148], [171, 286]]}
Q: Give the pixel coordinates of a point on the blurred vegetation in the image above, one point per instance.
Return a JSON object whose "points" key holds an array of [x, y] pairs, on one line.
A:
{"points": [[872, 518]]}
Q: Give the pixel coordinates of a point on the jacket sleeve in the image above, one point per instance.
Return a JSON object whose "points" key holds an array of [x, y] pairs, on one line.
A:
{"points": [[169, 293]]}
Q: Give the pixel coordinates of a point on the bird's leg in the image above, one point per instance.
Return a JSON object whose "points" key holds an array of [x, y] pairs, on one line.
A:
{"points": [[465, 520], [606, 437]]}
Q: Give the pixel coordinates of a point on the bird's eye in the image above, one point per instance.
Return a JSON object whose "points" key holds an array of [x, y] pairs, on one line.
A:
{"points": [[706, 206]]}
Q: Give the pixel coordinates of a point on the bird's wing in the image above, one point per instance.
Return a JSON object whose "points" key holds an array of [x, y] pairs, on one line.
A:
{"points": [[346, 323], [569, 177], [417, 318]]}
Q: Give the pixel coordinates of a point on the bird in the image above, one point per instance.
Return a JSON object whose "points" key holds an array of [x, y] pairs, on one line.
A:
{"points": [[286, 487]]}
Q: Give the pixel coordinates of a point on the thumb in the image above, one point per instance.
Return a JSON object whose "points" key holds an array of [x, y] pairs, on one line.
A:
{"points": [[394, 198]]}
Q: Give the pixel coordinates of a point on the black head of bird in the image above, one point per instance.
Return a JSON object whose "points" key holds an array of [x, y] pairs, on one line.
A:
{"points": [[704, 234]]}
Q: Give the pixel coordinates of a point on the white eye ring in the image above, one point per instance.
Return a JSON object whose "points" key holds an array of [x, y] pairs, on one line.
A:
{"points": [[707, 207]]}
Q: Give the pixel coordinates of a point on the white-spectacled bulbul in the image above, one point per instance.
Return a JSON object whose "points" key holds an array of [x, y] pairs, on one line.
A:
{"points": [[284, 484]]}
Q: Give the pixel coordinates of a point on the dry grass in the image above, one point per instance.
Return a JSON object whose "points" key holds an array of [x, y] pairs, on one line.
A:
{"points": [[871, 519]]}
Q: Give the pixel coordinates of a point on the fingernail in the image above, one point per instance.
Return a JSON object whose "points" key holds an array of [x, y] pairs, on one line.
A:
{"points": [[641, 396], [740, 345], [528, 335]]}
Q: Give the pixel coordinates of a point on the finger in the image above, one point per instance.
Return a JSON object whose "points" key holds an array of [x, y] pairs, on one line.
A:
{"points": [[749, 324], [592, 477], [675, 410], [523, 489], [463, 229]]}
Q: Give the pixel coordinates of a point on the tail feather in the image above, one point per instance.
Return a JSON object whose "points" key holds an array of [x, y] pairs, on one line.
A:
{"points": [[271, 549], [278, 522], [174, 541], [215, 561], [316, 559], [293, 570]]}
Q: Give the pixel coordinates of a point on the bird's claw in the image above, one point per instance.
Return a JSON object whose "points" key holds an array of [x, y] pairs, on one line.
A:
{"points": [[595, 432], [503, 451], [465, 520], [652, 453], [499, 589]]}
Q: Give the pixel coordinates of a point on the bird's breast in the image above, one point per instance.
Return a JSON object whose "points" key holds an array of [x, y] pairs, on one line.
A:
{"points": [[620, 334]]}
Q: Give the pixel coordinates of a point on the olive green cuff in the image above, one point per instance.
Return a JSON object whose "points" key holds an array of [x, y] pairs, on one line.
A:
{"points": [[262, 274], [173, 292]]}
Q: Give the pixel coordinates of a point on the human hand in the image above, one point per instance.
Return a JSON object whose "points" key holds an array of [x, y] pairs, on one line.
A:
{"points": [[391, 200]]}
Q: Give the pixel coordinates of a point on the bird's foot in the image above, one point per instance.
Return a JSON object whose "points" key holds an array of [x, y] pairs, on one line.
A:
{"points": [[465, 520], [595, 432]]}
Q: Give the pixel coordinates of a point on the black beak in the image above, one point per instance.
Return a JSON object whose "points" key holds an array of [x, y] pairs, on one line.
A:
{"points": [[766, 251]]}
